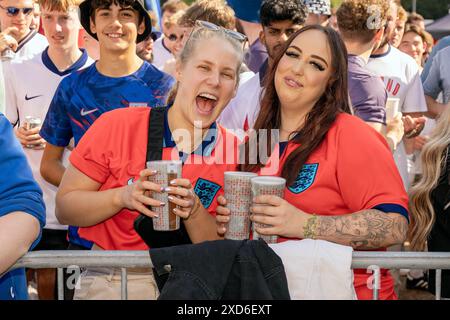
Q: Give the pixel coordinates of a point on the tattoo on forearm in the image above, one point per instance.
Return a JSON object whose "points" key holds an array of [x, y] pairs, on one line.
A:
{"points": [[368, 229]]}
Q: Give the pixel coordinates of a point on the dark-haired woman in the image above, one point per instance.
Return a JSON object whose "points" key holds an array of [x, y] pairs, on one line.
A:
{"points": [[343, 185]]}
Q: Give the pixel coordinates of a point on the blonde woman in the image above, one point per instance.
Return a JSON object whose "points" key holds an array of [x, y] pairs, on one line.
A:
{"points": [[430, 200]]}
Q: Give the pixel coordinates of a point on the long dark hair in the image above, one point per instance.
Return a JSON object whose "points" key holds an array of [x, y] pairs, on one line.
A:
{"points": [[318, 121]]}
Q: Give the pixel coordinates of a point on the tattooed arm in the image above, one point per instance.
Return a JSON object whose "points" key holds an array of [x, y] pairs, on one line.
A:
{"points": [[367, 229]]}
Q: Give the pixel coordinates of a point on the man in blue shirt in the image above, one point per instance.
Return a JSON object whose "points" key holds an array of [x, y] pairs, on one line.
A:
{"points": [[22, 213], [119, 79], [443, 43]]}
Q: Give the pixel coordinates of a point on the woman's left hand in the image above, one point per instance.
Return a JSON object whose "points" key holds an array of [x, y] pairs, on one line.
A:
{"points": [[182, 194], [283, 218]]}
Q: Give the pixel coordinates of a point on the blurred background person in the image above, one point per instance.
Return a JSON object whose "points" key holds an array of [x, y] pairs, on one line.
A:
{"points": [[169, 8], [441, 44], [430, 200], [144, 49], [91, 45], [21, 42], [333, 20], [319, 12], [401, 76], [279, 19], [430, 45], [173, 41], [248, 23], [367, 91], [161, 51], [213, 11], [36, 22], [416, 19], [400, 24], [414, 44]]}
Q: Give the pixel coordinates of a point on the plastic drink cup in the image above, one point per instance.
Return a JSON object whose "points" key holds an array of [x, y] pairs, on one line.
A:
{"points": [[31, 123], [238, 192], [392, 108], [167, 170], [267, 185]]}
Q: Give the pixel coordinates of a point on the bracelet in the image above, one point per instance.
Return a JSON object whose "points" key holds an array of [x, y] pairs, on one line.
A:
{"points": [[309, 230], [195, 207], [411, 134]]}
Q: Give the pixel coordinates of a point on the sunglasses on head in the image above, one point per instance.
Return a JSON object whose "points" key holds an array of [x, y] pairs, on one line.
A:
{"points": [[199, 24], [13, 11]]}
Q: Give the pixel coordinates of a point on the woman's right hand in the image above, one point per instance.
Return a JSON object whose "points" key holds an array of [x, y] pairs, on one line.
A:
{"points": [[222, 215], [136, 195]]}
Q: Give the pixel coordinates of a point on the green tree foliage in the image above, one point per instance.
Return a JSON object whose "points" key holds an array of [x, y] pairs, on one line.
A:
{"points": [[335, 3], [429, 9]]}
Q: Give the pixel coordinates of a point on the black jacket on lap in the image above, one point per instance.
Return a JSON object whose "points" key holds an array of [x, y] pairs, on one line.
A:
{"points": [[220, 270]]}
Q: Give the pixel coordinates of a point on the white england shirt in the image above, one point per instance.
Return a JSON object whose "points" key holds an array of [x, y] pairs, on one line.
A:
{"points": [[33, 44], [242, 111], [160, 54], [401, 75], [29, 89]]}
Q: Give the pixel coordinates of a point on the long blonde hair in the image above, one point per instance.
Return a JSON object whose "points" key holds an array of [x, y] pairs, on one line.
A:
{"points": [[434, 159]]}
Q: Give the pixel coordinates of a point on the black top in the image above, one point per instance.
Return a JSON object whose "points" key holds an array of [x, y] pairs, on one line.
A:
{"points": [[439, 238]]}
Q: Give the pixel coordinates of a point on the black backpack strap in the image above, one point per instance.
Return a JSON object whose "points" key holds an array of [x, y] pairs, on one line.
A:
{"points": [[143, 224], [155, 134]]}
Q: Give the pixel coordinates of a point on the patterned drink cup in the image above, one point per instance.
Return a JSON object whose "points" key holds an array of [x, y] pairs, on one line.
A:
{"points": [[167, 170], [267, 185], [238, 192]]}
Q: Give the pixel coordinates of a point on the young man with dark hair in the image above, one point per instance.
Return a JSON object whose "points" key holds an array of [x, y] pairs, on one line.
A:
{"points": [[279, 20], [119, 79]]}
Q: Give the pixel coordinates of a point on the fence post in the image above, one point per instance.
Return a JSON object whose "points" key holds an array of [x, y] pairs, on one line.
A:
{"points": [[124, 284], [60, 284]]}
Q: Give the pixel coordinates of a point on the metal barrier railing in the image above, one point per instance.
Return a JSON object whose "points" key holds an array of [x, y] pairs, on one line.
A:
{"points": [[372, 261]]}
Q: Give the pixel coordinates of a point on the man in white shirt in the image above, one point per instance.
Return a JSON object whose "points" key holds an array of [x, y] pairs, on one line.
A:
{"points": [[16, 17], [401, 77], [17, 41], [29, 90], [161, 51], [279, 19]]}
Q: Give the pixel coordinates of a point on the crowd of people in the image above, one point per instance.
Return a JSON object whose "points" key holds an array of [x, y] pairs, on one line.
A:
{"points": [[357, 95]]}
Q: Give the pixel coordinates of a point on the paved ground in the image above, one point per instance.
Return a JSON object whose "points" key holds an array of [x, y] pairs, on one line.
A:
{"points": [[408, 294]]}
